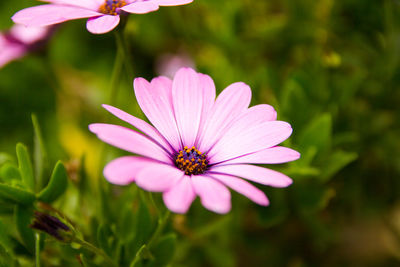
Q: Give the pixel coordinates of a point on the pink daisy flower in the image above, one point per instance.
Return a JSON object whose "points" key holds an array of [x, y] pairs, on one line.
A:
{"points": [[103, 14], [199, 145], [20, 40]]}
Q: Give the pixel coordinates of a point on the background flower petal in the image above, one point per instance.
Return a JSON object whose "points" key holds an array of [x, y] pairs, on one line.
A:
{"points": [[255, 173], [179, 198], [102, 24], [44, 15]]}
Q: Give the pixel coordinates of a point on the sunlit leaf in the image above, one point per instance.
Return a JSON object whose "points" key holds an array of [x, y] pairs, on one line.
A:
{"points": [[57, 184], [25, 167]]}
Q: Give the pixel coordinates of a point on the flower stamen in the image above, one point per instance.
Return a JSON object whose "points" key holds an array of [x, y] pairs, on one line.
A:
{"points": [[110, 7], [191, 161]]}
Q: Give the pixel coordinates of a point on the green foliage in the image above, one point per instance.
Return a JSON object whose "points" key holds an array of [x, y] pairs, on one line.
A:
{"points": [[56, 186]]}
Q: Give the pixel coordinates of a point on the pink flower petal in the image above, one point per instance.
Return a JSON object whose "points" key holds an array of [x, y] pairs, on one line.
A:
{"points": [[10, 52], [243, 138], [179, 198], [187, 99], [155, 100], [129, 140], [273, 155], [264, 112], [123, 170], [208, 89], [102, 24], [89, 4], [141, 7], [242, 187], [172, 2], [141, 125], [214, 196], [229, 104], [254, 173], [44, 15], [158, 177]]}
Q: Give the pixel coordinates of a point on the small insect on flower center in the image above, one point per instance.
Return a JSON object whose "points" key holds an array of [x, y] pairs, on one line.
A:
{"points": [[110, 7], [191, 161]]}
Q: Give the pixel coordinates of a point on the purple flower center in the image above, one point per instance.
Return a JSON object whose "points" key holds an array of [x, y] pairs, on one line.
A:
{"points": [[191, 161], [111, 7]]}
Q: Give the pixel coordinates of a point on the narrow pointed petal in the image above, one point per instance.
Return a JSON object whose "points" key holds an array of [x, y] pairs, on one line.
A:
{"points": [[244, 138], [230, 103], [242, 187], [187, 98], [158, 177], [123, 170], [214, 196], [255, 173], [102, 24], [172, 2], [44, 15], [129, 140], [141, 7], [155, 100], [141, 125], [179, 198], [273, 155]]}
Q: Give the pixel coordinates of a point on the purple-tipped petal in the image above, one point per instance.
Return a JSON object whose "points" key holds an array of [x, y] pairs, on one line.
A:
{"points": [[242, 187], [187, 99], [172, 2], [44, 15], [214, 196], [141, 7], [179, 198], [244, 138], [273, 155], [158, 177], [155, 100], [229, 104], [129, 140], [102, 24], [123, 170], [141, 125], [255, 173]]}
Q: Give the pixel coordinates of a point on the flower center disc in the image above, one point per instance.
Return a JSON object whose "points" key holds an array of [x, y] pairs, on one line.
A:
{"points": [[110, 7], [191, 161]]}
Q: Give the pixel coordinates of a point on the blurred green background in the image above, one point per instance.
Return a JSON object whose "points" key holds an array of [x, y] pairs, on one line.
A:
{"points": [[330, 68]]}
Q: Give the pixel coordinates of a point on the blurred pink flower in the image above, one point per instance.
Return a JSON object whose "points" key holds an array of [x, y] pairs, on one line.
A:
{"points": [[199, 145], [20, 40], [169, 64], [103, 14]]}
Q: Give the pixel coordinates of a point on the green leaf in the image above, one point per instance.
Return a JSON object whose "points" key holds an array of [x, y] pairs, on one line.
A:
{"points": [[312, 197], [23, 216], [125, 230], [5, 240], [40, 155], [164, 250], [317, 134], [337, 161], [9, 172], [16, 194], [104, 234], [57, 184], [6, 259], [25, 167]]}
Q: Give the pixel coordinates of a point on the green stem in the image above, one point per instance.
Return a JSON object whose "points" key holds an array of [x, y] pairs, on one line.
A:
{"points": [[97, 251], [37, 249]]}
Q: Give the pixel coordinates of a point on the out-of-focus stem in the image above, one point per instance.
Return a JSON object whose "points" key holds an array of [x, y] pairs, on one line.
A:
{"points": [[37, 250], [97, 251]]}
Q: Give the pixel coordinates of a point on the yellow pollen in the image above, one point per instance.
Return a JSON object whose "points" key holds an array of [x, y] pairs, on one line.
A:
{"points": [[110, 7], [191, 161]]}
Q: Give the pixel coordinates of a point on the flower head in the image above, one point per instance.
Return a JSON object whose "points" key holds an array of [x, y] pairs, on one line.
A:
{"points": [[104, 15], [199, 145], [51, 225], [19, 40]]}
